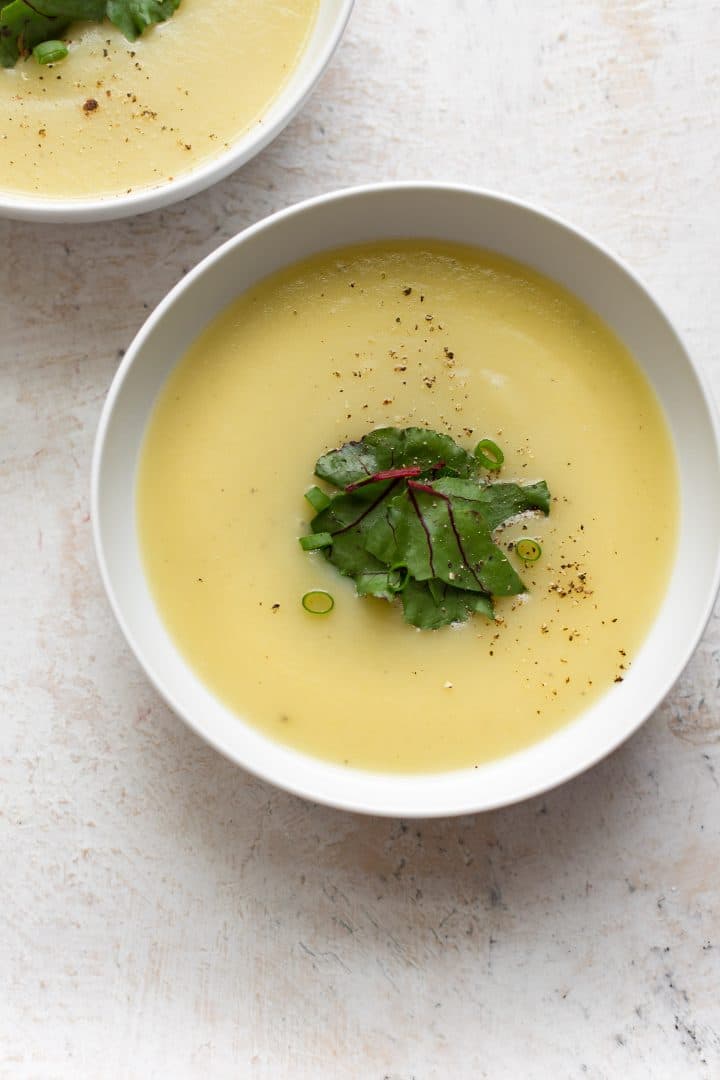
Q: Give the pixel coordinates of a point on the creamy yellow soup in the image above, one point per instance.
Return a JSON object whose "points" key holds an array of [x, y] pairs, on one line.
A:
{"points": [[405, 334], [116, 116]]}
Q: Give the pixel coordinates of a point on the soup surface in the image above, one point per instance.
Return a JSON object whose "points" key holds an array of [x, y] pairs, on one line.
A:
{"points": [[116, 116], [324, 352]]}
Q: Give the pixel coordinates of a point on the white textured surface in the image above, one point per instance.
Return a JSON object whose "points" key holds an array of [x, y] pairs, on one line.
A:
{"points": [[165, 915]]}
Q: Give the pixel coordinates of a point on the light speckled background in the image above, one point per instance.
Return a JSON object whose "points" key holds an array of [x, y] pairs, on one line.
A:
{"points": [[165, 915]]}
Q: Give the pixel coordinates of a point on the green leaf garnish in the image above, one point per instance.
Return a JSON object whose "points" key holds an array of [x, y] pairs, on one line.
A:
{"points": [[430, 609], [415, 520], [418, 449], [132, 17], [87, 10], [442, 536], [26, 26]]}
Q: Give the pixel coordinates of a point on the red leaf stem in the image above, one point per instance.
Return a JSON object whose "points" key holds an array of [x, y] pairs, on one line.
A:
{"points": [[394, 474]]}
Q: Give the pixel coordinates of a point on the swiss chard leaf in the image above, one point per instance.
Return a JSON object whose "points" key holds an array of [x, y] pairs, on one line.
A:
{"points": [[348, 519], [447, 537], [384, 583], [499, 502], [432, 604], [394, 448], [85, 10], [415, 520], [132, 17]]}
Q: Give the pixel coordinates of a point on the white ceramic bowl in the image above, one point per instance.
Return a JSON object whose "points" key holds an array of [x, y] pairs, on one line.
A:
{"points": [[329, 26], [454, 214]]}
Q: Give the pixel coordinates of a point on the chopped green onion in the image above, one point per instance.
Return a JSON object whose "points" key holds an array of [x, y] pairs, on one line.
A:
{"points": [[49, 52], [528, 550], [489, 454], [318, 602], [318, 499], [316, 540]]}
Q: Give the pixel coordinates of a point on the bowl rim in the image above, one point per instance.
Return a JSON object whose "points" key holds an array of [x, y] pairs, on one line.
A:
{"points": [[286, 782], [208, 172]]}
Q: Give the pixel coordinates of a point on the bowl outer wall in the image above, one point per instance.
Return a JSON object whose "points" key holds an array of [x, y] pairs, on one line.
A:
{"points": [[458, 214], [332, 19]]}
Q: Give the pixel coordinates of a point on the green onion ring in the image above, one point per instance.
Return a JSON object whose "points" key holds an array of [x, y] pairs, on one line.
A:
{"points": [[318, 602], [528, 550], [489, 454]]}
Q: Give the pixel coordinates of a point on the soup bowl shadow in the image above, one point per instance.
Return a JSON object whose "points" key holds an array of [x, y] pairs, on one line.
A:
{"points": [[454, 214], [332, 18]]}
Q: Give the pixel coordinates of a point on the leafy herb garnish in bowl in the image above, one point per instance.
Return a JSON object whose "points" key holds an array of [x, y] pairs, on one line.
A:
{"points": [[35, 28], [414, 520]]}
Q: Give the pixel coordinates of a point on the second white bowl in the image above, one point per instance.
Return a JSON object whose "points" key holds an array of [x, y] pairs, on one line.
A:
{"points": [[329, 26]]}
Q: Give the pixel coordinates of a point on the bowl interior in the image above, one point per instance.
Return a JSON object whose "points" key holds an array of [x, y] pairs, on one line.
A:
{"points": [[464, 216], [328, 29]]}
